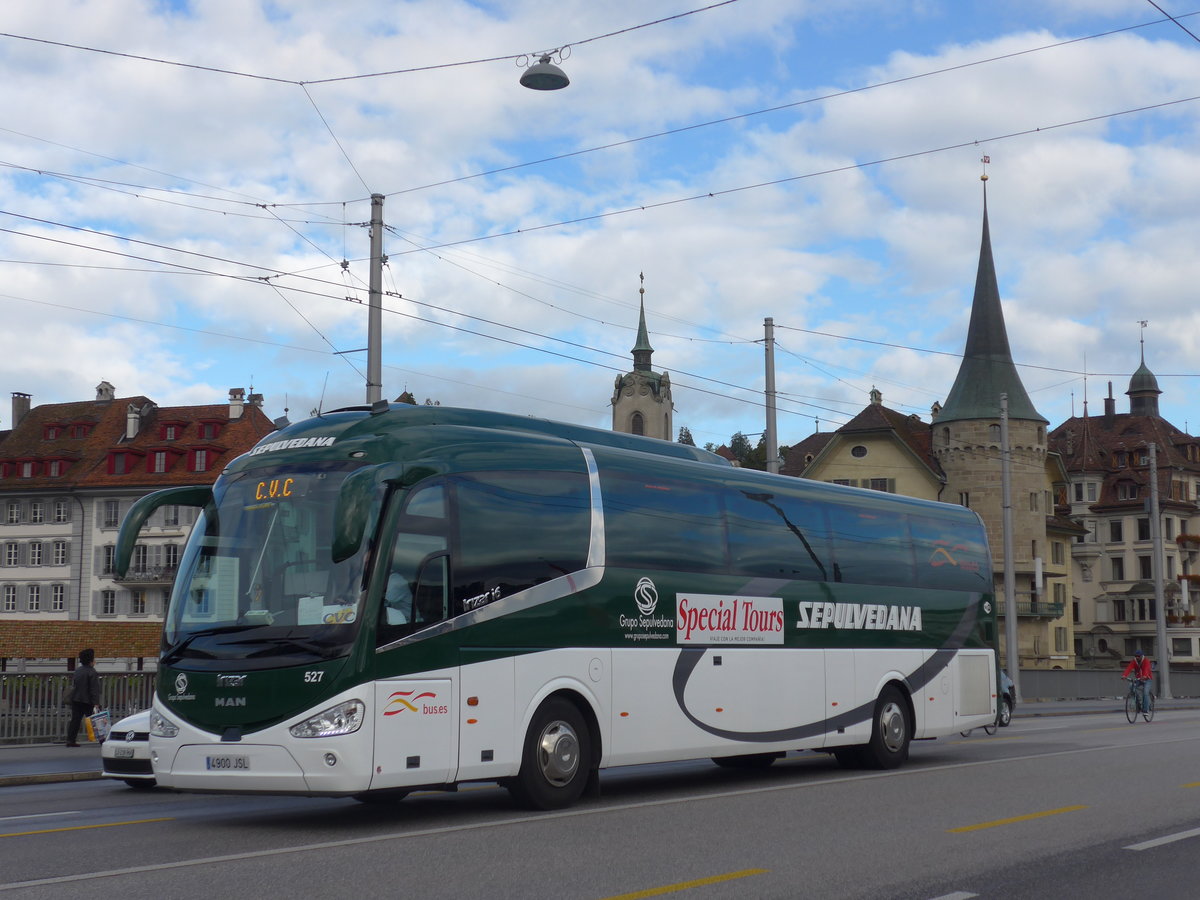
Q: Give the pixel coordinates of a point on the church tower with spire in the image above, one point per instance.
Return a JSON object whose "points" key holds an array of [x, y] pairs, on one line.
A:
{"points": [[641, 400], [966, 443]]}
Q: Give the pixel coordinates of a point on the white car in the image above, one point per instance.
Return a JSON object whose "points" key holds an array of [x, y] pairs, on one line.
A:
{"points": [[126, 752]]}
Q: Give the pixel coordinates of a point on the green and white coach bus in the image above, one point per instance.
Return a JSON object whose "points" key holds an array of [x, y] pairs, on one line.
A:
{"points": [[382, 599]]}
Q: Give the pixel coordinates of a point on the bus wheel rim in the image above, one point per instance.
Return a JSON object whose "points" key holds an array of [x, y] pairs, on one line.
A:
{"points": [[892, 726], [558, 753]]}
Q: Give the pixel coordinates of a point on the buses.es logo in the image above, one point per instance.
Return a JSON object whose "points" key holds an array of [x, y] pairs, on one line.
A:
{"points": [[402, 701], [944, 555], [646, 595]]}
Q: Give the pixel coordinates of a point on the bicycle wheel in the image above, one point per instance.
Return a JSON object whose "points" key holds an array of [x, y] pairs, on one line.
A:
{"points": [[1148, 712], [1131, 710]]}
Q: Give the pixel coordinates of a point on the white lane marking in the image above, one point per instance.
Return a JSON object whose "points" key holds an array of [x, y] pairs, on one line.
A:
{"points": [[1168, 839], [69, 812], [957, 895]]}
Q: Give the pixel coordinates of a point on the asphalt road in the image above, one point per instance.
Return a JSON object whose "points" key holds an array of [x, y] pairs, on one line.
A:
{"points": [[1084, 805]]}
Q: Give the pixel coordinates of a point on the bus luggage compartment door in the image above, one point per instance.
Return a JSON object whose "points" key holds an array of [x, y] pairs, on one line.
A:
{"points": [[415, 732]]}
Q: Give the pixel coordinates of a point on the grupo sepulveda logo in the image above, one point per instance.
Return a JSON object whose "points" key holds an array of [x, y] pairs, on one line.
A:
{"points": [[646, 596]]}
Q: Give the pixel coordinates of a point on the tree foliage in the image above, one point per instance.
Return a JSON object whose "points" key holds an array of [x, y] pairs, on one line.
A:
{"points": [[685, 436]]}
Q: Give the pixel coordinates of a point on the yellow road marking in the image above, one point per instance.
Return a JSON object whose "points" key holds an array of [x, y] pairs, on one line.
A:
{"points": [[85, 827], [1192, 784], [687, 885], [1014, 819]]}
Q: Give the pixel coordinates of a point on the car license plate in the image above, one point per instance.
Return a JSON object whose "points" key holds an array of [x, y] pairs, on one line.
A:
{"points": [[123, 753], [227, 763]]}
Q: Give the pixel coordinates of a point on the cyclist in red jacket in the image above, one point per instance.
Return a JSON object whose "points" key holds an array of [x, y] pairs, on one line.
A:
{"points": [[1139, 668]]}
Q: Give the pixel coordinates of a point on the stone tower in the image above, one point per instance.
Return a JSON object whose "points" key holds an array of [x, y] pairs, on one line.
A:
{"points": [[966, 438], [641, 400]]}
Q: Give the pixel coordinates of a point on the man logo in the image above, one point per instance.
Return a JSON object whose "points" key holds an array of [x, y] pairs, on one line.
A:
{"points": [[181, 683], [646, 595]]}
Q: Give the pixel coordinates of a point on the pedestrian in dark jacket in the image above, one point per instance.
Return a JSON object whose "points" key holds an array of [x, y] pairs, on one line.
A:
{"points": [[84, 695]]}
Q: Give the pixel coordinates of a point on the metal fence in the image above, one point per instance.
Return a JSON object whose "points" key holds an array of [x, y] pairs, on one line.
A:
{"points": [[1090, 684], [34, 710]]}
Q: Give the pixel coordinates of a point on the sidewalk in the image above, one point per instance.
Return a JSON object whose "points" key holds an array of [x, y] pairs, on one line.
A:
{"points": [[52, 763]]}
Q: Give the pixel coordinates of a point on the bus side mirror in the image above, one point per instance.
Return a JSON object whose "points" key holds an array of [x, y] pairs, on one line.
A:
{"points": [[144, 508], [354, 504]]}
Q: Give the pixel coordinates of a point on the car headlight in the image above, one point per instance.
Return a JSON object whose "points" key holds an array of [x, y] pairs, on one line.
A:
{"points": [[161, 726], [345, 718]]}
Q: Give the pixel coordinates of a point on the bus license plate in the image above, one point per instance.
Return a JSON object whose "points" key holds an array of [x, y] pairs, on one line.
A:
{"points": [[227, 763], [123, 753]]}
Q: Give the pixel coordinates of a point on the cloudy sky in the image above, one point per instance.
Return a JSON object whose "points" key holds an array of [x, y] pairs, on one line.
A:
{"points": [[185, 190]]}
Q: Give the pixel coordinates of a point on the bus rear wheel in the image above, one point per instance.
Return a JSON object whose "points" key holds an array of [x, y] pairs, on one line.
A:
{"points": [[556, 758], [891, 731]]}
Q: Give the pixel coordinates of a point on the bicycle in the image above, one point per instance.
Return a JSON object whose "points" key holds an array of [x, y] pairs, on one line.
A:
{"points": [[990, 728], [1132, 704]]}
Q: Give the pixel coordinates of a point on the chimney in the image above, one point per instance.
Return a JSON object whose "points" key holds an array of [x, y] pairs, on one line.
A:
{"points": [[105, 391], [237, 402], [256, 400], [20, 407], [133, 421], [1110, 408]]}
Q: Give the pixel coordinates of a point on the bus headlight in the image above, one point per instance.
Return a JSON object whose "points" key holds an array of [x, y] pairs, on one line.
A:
{"points": [[161, 726], [345, 718]]}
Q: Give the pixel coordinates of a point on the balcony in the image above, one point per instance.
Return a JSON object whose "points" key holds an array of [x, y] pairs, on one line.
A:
{"points": [[160, 576], [1034, 609]]}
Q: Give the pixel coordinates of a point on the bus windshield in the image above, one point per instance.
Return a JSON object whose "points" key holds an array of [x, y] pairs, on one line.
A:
{"points": [[256, 583]]}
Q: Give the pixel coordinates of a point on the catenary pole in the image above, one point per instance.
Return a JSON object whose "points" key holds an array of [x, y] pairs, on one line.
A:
{"points": [[375, 310], [770, 438], [1156, 572], [1012, 655]]}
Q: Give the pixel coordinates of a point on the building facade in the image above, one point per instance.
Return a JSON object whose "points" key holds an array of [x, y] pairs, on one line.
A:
{"points": [[68, 474], [1109, 465]]}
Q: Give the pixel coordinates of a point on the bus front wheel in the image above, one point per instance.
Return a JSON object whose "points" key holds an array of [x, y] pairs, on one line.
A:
{"points": [[556, 758], [891, 731]]}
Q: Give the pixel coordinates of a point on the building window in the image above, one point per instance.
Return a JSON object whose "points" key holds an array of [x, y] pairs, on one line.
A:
{"points": [[1060, 593], [637, 425], [108, 603], [112, 513], [12, 554], [110, 556], [1079, 492], [52, 432], [1169, 526], [1033, 501], [160, 461], [10, 598], [858, 451], [842, 481], [79, 431], [1057, 556], [883, 484], [1181, 646], [164, 598], [118, 464], [1118, 568], [60, 553], [201, 456], [1170, 568], [994, 433], [58, 598], [1114, 531], [1091, 491], [1145, 568], [171, 556], [33, 597], [964, 499], [945, 437], [35, 553], [1143, 526], [171, 432], [171, 515], [54, 468], [140, 555], [28, 470], [62, 511], [1060, 639], [37, 512], [208, 430], [137, 603], [14, 512]]}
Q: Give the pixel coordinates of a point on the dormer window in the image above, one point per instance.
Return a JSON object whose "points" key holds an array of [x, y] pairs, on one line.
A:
{"points": [[51, 433], [117, 464], [209, 430], [80, 430], [200, 460], [28, 469]]}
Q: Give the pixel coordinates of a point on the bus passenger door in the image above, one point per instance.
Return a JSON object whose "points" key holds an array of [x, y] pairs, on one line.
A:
{"points": [[415, 736]]}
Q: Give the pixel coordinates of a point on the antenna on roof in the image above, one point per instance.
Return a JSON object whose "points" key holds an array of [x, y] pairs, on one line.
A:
{"points": [[321, 402]]}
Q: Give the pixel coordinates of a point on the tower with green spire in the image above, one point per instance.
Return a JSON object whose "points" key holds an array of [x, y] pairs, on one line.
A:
{"points": [[641, 400], [966, 443]]}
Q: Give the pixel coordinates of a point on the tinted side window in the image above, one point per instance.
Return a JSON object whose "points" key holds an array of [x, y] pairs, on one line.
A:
{"points": [[949, 556], [515, 530], [777, 536], [870, 545], [653, 522]]}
